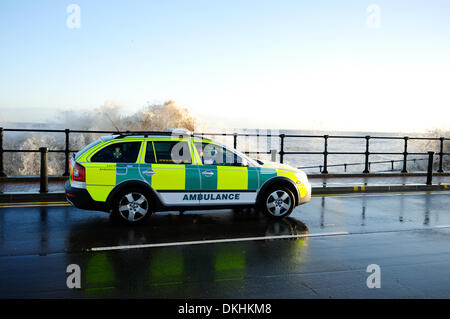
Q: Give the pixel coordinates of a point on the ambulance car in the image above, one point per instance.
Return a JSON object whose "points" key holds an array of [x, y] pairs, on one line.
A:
{"points": [[131, 176]]}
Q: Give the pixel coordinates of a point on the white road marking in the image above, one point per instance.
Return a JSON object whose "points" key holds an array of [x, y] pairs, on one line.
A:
{"points": [[214, 241], [229, 240]]}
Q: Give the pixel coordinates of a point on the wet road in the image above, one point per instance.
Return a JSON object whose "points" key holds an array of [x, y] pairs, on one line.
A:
{"points": [[407, 235]]}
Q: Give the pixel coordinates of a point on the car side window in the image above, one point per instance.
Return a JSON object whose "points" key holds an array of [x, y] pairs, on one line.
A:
{"points": [[172, 152], [126, 152], [212, 154]]}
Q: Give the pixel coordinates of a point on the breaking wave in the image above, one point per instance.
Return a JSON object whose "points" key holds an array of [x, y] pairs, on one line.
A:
{"points": [[160, 117], [435, 146], [108, 117]]}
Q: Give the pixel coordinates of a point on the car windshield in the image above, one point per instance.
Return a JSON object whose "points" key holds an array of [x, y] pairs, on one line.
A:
{"points": [[251, 161]]}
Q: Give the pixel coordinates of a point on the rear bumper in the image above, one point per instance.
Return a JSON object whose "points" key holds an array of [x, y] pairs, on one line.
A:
{"points": [[80, 198]]}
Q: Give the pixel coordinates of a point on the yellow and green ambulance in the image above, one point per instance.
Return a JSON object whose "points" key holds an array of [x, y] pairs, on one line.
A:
{"points": [[132, 175]]}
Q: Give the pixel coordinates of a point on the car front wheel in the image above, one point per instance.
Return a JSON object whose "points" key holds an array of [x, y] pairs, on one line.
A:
{"points": [[278, 202]]}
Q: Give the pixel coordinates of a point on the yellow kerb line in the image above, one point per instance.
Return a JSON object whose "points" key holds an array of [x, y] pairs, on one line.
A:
{"points": [[31, 204]]}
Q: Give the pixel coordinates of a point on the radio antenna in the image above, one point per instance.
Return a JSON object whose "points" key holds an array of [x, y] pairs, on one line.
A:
{"points": [[118, 131]]}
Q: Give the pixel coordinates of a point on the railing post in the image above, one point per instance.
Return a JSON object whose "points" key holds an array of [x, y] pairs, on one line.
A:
{"points": [[405, 155], [66, 151], [441, 155], [235, 140], [430, 168], [273, 155], [392, 165], [281, 148], [44, 170], [325, 155], [257, 142], [367, 165], [2, 172]]}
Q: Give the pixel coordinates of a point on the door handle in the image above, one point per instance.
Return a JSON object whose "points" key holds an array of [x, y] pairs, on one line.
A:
{"points": [[208, 173], [121, 170], [148, 172]]}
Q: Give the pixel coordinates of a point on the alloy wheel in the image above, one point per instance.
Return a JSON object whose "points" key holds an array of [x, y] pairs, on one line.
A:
{"points": [[278, 203], [133, 206]]}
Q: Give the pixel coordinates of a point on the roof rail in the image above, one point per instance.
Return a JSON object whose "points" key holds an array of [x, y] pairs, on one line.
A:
{"points": [[147, 133], [179, 131], [160, 133]]}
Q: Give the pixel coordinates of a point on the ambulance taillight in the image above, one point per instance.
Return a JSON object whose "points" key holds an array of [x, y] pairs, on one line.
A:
{"points": [[79, 173]]}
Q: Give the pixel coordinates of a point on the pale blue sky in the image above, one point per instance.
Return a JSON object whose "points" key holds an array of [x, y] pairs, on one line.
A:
{"points": [[277, 64]]}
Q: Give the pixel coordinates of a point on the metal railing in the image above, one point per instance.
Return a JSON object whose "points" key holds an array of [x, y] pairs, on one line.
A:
{"points": [[282, 152], [345, 165], [367, 163]]}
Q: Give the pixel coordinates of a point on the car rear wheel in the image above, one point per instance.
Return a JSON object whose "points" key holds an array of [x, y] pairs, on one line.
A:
{"points": [[131, 206], [278, 202]]}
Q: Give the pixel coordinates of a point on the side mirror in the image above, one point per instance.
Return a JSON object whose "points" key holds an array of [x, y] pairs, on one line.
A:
{"points": [[244, 162], [259, 161]]}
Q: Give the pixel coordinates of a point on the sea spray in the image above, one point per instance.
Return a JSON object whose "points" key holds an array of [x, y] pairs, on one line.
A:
{"points": [[169, 115], [107, 117], [434, 145]]}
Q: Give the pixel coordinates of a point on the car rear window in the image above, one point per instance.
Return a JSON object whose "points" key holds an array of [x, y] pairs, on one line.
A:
{"points": [[84, 149], [126, 152]]}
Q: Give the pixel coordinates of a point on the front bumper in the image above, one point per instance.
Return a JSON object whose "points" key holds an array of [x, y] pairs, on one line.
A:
{"points": [[306, 198], [80, 198]]}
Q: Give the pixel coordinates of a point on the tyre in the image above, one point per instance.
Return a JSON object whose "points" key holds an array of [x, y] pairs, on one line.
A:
{"points": [[131, 206], [277, 202]]}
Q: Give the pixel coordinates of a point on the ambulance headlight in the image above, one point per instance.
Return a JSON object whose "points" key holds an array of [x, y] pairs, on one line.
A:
{"points": [[301, 176]]}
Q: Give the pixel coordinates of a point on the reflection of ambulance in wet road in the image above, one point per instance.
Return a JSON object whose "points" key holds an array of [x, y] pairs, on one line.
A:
{"points": [[135, 175], [178, 271]]}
